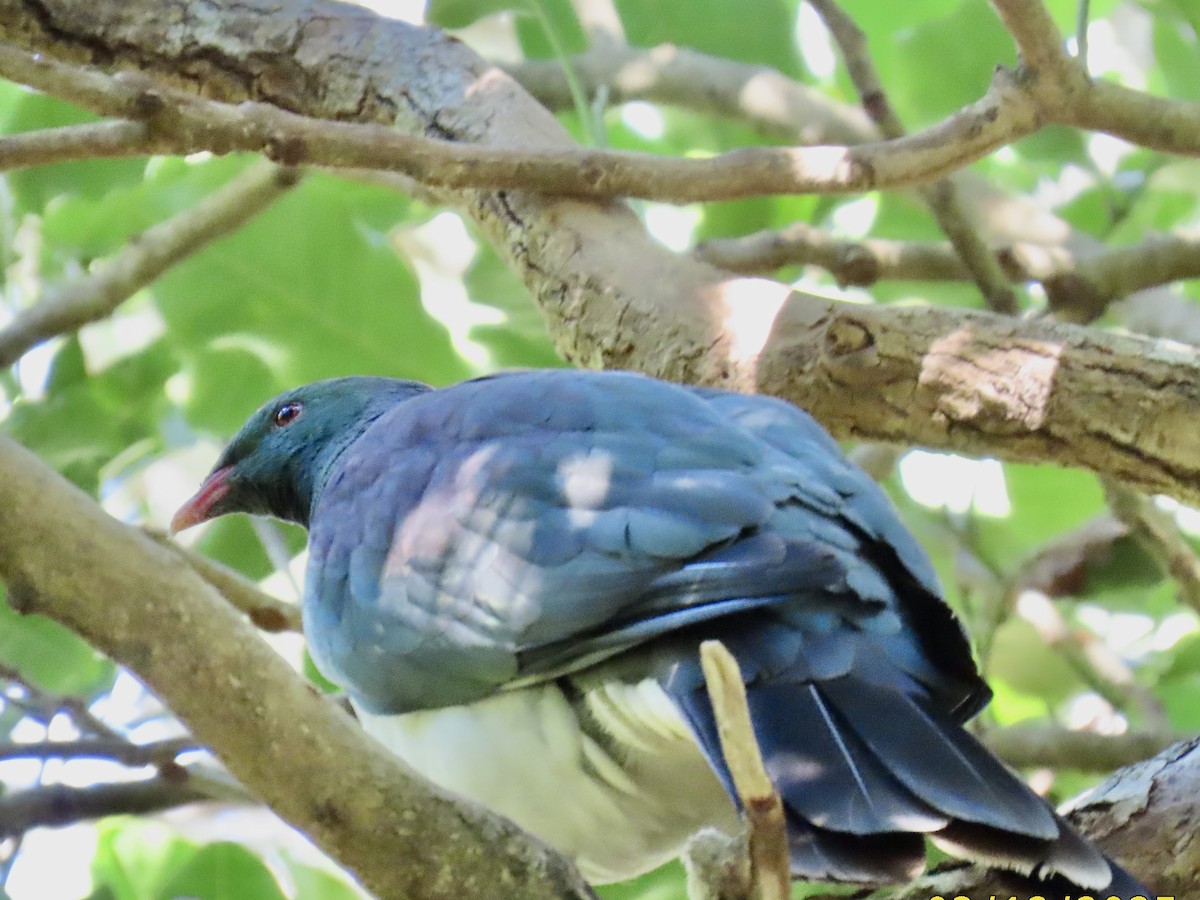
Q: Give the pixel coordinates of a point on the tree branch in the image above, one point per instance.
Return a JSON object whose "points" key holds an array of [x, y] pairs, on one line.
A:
{"points": [[774, 104], [1038, 39], [184, 123], [1026, 390], [1063, 92], [130, 598], [127, 753], [1051, 746], [1094, 661], [49, 806], [74, 142], [762, 808], [1159, 535], [266, 612], [1078, 288], [97, 295], [941, 197], [759, 95]]}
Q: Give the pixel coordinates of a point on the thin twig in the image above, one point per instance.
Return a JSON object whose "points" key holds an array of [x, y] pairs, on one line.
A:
{"points": [[1082, 15], [1054, 747], [1078, 288], [44, 705], [1091, 659], [940, 197], [1038, 39], [95, 296], [267, 612], [123, 751], [1159, 535], [94, 140], [58, 805], [762, 97], [761, 805]]}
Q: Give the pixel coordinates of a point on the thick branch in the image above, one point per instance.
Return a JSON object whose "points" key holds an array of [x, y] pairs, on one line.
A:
{"points": [[87, 299], [131, 598], [1031, 390]]}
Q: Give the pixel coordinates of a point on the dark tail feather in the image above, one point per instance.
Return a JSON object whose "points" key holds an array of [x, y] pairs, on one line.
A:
{"points": [[865, 772], [822, 855], [1070, 861], [939, 761]]}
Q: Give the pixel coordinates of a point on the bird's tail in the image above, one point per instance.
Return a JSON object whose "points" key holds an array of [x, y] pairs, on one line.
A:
{"points": [[866, 772]]}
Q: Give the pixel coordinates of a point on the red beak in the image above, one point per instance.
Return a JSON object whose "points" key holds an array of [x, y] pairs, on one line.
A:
{"points": [[199, 508]]}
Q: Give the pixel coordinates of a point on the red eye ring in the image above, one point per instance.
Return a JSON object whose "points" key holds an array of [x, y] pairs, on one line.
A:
{"points": [[287, 414]]}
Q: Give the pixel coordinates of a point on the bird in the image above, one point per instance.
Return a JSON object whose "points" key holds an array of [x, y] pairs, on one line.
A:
{"points": [[510, 578]]}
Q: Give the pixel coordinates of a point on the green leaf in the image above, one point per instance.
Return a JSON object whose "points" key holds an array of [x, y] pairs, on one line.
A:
{"points": [[944, 62], [1167, 200], [1178, 697], [308, 290], [90, 226], [1028, 666], [1046, 501], [461, 13], [135, 859], [222, 871], [753, 31], [560, 17], [521, 339], [1055, 144], [50, 656], [1177, 52], [83, 424], [233, 541], [312, 883], [664, 883], [33, 188]]}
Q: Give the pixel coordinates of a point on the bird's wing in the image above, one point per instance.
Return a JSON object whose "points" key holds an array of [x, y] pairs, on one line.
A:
{"points": [[516, 527]]}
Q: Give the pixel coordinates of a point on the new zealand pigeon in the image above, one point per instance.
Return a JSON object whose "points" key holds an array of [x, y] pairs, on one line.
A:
{"points": [[511, 578]]}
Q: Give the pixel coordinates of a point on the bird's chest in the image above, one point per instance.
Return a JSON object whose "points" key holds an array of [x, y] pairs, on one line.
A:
{"points": [[607, 774]]}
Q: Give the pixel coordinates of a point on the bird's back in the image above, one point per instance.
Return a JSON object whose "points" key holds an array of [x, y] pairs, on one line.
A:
{"points": [[577, 534]]}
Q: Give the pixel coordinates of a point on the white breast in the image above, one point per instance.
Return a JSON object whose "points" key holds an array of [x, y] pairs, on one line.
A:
{"points": [[620, 793]]}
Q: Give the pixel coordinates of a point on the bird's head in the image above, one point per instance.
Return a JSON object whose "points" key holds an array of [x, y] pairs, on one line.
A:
{"points": [[278, 461]]}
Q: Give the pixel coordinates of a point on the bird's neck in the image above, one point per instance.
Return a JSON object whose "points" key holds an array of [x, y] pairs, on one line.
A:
{"points": [[321, 466]]}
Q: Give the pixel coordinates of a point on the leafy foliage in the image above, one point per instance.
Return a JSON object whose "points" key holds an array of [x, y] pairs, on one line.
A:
{"points": [[341, 277]]}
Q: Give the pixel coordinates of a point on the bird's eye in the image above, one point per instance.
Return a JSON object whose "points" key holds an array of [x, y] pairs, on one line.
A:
{"points": [[287, 414]]}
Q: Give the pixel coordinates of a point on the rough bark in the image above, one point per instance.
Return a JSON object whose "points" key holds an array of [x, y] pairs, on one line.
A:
{"points": [[612, 297], [301, 754]]}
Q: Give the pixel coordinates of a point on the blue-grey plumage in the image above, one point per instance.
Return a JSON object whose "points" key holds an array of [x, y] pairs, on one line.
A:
{"points": [[511, 577]]}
